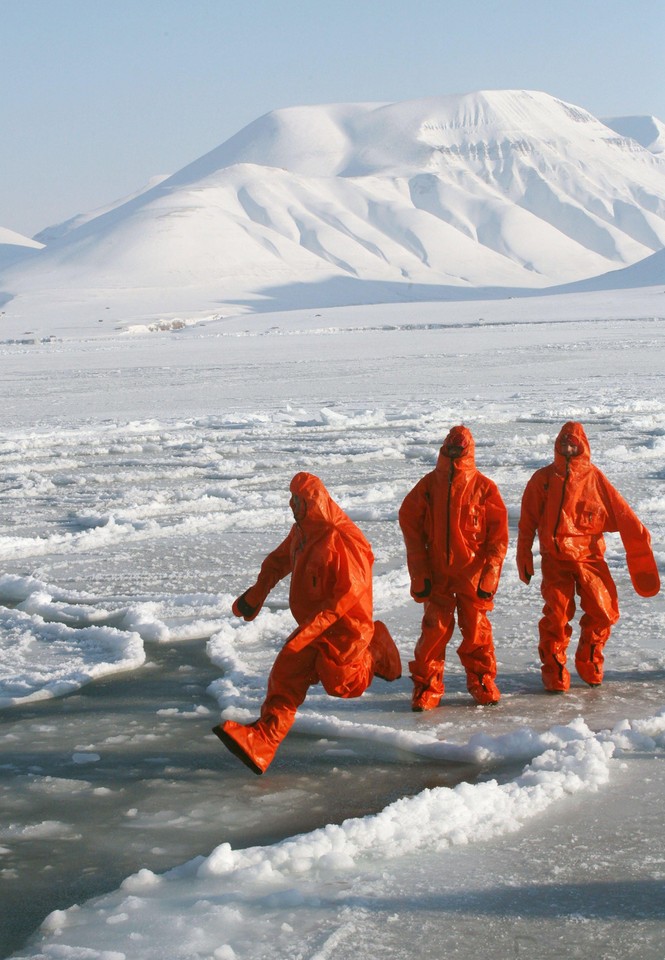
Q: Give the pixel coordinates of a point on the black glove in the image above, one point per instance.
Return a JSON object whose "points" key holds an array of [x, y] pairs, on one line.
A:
{"points": [[426, 592], [483, 594], [243, 609]]}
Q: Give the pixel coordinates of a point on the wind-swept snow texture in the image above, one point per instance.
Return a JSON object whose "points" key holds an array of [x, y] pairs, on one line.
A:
{"points": [[357, 203]]}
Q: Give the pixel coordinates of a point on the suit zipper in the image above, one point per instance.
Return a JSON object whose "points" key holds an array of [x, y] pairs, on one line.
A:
{"points": [[450, 490], [563, 494]]}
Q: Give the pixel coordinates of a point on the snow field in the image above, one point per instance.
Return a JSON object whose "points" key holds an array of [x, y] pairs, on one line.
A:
{"points": [[131, 535], [210, 480]]}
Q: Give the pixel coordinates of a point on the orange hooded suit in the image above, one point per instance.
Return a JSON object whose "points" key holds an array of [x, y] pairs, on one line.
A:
{"points": [[455, 528], [336, 641], [570, 503]]}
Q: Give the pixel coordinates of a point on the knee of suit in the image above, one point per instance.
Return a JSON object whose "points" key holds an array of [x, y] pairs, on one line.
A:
{"points": [[346, 680]]}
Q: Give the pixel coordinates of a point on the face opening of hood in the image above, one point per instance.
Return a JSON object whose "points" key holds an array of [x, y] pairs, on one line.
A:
{"points": [[315, 505], [572, 441], [459, 444]]}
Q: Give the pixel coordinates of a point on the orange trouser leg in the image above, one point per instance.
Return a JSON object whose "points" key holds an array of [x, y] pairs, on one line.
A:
{"points": [[598, 599], [347, 680], [291, 676], [476, 650], [437, 628], [343, 659], [558, 590], [386, 661]]}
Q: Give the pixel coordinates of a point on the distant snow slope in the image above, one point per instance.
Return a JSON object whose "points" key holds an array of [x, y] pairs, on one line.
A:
{"points": [[59, 230], [11, 238], [511, 189], [649, 272], [14, 246], [646, 130]]}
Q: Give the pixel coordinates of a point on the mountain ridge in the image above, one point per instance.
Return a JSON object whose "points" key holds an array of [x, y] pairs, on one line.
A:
{"points": [[512, 189]]}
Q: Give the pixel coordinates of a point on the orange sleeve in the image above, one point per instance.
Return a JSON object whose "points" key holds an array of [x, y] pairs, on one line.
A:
{"points": [[533, 504], [496, 543], [636, 540], [412, 515], [273, 569]]}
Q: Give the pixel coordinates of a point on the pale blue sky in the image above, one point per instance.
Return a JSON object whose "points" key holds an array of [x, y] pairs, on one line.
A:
{"points": [[97, 96]]}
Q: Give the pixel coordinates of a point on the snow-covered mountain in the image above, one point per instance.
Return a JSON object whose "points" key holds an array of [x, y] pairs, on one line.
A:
{"points": [[59, 230], [511, 189], [648, 131], [14, 246], [649, 272]]}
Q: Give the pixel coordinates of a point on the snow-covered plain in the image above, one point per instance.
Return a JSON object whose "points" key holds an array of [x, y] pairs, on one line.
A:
{"points": [[144, 478]]}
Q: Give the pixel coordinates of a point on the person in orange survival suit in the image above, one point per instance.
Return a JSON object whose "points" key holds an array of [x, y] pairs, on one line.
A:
{"points": [[571, 504], [455, 527], [336, 641]]}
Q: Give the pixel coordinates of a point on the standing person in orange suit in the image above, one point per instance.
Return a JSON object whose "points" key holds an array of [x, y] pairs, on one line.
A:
{"points": [[336, 641], [570, 504], [455, 528]]}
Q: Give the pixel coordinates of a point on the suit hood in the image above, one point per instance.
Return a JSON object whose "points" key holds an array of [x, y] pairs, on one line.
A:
{"points": [[459, 436], [573, 432], [321, 509]]}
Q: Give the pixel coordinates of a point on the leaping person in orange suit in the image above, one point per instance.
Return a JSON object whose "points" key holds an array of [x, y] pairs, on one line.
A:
{"points": [[336, 642]]}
